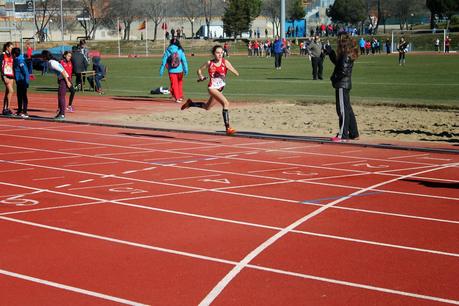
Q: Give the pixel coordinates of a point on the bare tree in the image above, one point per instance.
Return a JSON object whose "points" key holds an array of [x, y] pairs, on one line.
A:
{"points": [[155, 10], [44, 11], [190, 9], [124, 11], [211, 8], [95, 11], [271, 9]]}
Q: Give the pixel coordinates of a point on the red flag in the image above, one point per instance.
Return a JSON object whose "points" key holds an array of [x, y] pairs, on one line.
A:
{"points": [[142, 26], [164, 26]]}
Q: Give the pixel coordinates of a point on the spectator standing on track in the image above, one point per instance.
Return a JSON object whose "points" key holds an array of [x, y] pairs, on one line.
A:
{"points": [[62, 79], [7, 77], [217, 69], [66, 62], [347, 53], [175, 60], [21, 75], [278, 51], [79, 64]]}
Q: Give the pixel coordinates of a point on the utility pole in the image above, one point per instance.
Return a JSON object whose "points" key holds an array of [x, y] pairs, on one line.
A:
{"points": [[282, 19]]}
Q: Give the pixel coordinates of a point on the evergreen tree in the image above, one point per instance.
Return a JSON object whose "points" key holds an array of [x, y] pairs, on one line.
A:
{"points": [[348, 11], [239, 15], [296, 11]]}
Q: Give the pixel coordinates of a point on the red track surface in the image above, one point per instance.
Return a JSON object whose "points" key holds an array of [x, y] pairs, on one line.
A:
{"points": [[96, 215]]}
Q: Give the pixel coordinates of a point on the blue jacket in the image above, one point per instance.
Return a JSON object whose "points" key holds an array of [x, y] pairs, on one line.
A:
{"points": [[21, 72], [277, 46], [183, 67]]}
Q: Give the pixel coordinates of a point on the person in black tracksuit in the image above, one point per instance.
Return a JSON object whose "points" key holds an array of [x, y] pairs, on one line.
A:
{"points": [[347, 53]]}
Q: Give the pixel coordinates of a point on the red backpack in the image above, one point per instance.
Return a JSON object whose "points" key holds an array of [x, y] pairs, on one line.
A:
{"points": [[174, 60]]}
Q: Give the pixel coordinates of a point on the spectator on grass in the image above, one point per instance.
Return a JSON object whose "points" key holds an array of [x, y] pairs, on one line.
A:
{"points": [[362, 45], [388, 46], [343, 59], [277, 50], [79, 64], [402, 50], [447, 44], [437, 44], [99, 74], [317, 58], [21, 75], [63, 81], [175, 60]]}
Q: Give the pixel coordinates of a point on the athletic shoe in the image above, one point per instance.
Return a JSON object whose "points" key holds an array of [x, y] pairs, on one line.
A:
{"points": [[179, 100], [338, 139], [25, 115], [59, 117], [70, 109], [186, 105], [7, 112], [230, 131]]}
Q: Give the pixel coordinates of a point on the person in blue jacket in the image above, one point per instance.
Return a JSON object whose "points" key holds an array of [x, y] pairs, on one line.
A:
{"points": [[100, 71], [175, 60], [22, 76], [278, 51]]}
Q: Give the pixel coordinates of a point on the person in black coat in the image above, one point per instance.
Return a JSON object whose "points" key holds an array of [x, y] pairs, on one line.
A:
{"points": [[79, 64], [343, 59]]}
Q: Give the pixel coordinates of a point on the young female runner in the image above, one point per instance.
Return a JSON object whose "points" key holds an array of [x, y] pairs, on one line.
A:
{"points": [[66, 62], [217, 69], [7, 77]]}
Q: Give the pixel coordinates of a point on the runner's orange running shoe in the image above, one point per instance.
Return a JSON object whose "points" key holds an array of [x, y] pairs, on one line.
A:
{"points": [[230, 131]]}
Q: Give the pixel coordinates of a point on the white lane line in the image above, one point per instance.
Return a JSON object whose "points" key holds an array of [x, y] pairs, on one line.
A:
{"points": [[350, 151], [221, 285], [190, 161], [289, 157], [211, 158], [192, 177], [216, 164], [86, 148], [48, 178], [346, 162], [100, 186], [91, 164], [139, 170], [62, 186], [333, 177], [17, 152], [86, 181], [436, 158], [408, 156], [356, 285], [15, 170], [69, 288], [274, 169]]}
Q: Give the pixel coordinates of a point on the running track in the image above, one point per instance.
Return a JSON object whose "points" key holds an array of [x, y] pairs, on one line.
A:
{"points": [[94, 215]]}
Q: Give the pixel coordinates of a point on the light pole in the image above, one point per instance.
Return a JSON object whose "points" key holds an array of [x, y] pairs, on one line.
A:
{"points": [[62, 28], [282, 19]]}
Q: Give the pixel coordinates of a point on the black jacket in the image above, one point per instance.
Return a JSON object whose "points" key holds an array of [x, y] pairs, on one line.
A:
{"points": [[79, 62], [341, 76]]}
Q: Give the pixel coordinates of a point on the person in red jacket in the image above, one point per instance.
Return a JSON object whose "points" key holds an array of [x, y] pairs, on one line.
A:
{"points": [[7, 77], [66, 62]]}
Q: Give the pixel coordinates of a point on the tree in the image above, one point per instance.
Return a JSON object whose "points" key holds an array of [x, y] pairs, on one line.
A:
{"points": [[126, 12], [190, 11], [95, 11], [271, 9], [239, 15], [296, 11], [44, 12], [210, 8], [347, 11], [441, 8], [155, 10]]}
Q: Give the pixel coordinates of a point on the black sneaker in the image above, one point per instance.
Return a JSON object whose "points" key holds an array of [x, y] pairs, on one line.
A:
{"points": [[186, 105], [7, 112], [59, 117]]}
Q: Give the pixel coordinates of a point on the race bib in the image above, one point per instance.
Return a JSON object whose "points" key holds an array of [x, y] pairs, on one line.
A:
{"points": [[217, 83], [7, 69]]}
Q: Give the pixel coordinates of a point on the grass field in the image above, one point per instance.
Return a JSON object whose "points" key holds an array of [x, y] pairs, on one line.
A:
{"points": [[425, 80]]}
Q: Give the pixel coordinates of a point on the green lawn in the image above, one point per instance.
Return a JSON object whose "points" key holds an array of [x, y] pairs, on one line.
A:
{"points": [[426, 79]]}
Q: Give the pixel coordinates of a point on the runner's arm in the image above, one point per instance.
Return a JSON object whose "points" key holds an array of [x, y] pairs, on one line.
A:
{"points": [[231, 68]]}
